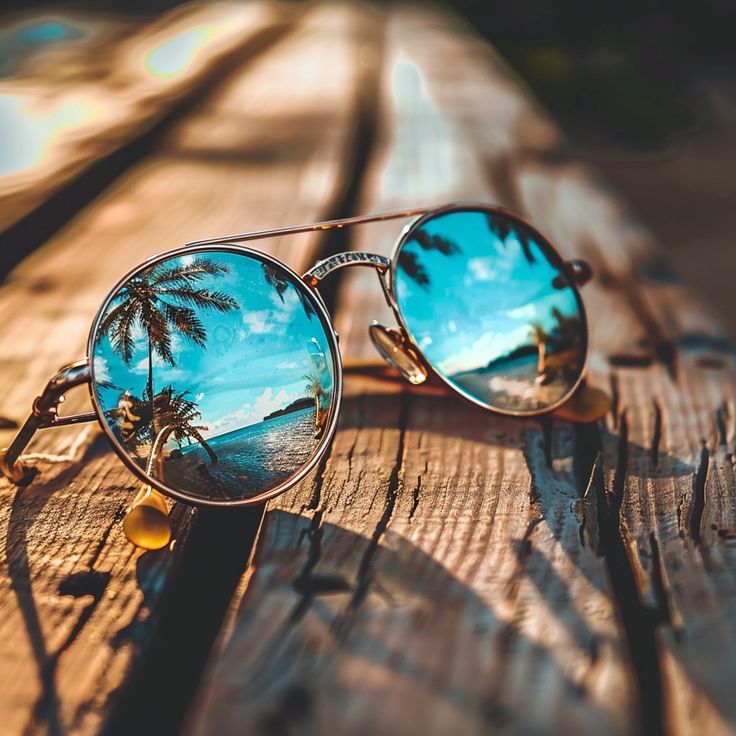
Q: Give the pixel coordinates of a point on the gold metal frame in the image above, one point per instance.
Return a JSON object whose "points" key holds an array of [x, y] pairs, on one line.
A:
{"points": [[45, 410]]}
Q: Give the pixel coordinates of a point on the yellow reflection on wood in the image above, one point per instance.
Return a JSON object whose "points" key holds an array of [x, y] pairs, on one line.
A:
{"points": [[586, 405]]}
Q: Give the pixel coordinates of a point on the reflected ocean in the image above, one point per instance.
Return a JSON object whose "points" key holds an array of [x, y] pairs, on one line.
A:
{"points": [[261, 455]]}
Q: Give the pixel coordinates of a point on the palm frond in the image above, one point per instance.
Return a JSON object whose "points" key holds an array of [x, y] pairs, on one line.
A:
{"points": [[203, 298], [189, 273], [159, 332], [309, 309], [276, 280], [121, 333], [113, 316], [186, 322], [142, 301], [525, 243], [499, 225], [409, 263], [440, 243]]}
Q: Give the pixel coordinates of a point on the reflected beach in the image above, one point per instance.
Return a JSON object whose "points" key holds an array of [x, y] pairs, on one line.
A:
{"points": [[215, 374]]}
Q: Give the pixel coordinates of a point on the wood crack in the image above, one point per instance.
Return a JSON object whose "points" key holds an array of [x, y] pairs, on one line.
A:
{"points": [[659, 584], [416, 492], [615, 393], [721, 418], [656, 433], [364, 576], [698, 506], [663, 348], [612, 544]]}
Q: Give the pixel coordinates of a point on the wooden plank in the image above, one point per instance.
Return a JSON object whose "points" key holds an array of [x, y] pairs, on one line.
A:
{"points": [[77, 105], [668, 447], [433, 577], [668, 451], [79, 605]]}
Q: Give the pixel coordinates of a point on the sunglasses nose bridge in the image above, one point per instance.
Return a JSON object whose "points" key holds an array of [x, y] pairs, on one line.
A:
{"points": [[342, 260]]}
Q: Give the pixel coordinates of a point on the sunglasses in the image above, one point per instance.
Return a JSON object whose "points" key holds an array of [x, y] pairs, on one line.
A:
{"points": [[215, 373]]}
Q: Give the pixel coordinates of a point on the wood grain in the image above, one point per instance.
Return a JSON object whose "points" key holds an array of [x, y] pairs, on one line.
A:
{"points": [[443, 571], [79, 604]]}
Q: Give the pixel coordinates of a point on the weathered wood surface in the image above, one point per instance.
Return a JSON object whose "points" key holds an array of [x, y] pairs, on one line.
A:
{"points": [[76, 104], [269, 145], [448, 572], [443, 571]]}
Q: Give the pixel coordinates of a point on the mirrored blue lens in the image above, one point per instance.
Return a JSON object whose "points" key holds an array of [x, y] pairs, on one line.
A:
{"points": [[215, 374], [491, 307]]}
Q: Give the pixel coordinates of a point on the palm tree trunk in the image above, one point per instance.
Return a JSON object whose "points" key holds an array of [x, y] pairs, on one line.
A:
{"points": [[150, 386], [207, 448]]}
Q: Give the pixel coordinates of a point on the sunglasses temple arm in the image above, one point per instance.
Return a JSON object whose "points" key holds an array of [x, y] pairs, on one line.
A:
{"points": [[44, 413]]}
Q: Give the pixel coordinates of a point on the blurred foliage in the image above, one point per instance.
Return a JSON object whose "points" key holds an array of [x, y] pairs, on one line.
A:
{"points": [[618, 72]]}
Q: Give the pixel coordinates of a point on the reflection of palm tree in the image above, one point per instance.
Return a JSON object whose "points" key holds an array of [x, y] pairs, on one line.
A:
{"points": [[539, 336], [501, 226], [409, 261], [316, 391], [410, 265], [567, 328], [440, 243], [281, 284], [175, 410], [145, 301]]}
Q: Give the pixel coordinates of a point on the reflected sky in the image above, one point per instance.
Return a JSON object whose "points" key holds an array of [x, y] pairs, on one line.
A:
{"points": [[473, 291], [255, 359]]}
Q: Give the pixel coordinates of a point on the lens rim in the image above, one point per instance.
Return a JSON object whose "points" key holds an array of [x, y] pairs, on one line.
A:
{"points": [[555, 258], [335, 404]]}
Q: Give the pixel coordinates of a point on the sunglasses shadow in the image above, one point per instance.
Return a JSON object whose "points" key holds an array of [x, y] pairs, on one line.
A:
{"points": [[556, 458], [444, 414], [545, 444], [298, 639], [339, 601]]}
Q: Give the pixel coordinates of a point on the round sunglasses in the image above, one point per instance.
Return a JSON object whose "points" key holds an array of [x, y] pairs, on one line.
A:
{"points": [[215, 373]]}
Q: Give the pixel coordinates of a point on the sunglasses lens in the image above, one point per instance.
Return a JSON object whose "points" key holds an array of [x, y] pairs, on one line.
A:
{"points": [[491, 307], [215, 374]]}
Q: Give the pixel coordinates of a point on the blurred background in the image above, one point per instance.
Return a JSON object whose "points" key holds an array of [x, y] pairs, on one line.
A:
{"points": [[645, 91]]}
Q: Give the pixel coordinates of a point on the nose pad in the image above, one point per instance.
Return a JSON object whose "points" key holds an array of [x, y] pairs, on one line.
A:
{"points": [[392, 346]]}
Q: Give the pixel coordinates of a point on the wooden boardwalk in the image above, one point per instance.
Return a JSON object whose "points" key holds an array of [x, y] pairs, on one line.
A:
{"points": [[443, 571]]}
